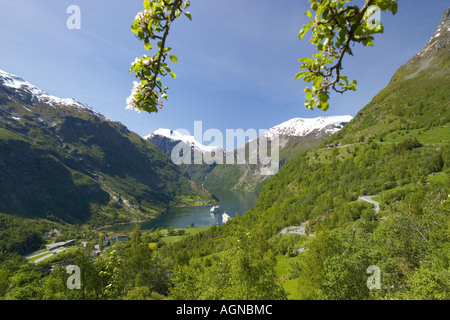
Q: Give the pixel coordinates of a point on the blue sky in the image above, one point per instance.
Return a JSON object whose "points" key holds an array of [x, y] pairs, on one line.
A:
{"points": [[237, 59]]}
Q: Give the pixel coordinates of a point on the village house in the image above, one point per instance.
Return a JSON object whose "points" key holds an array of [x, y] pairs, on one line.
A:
{"points": [[111, 239], [52, 233]]}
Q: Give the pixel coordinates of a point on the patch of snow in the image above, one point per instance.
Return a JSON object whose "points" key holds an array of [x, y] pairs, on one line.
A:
{"points": [[299, 127], [17, 83], [187, 139]]}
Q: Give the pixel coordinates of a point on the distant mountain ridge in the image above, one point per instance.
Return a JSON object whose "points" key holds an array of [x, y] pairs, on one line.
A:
{"points": [[61, 159], [166, 139], [295, 136]]}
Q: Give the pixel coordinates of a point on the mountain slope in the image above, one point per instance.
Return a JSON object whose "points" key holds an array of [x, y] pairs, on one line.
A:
{"points": [[59, 158]]}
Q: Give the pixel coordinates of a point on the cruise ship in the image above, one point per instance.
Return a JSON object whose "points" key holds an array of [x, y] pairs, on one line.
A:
{"points": [[225, 218], [215, 209]]}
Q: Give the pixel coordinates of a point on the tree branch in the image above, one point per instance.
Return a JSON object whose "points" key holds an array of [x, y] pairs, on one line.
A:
{"points": [[161, 56]]}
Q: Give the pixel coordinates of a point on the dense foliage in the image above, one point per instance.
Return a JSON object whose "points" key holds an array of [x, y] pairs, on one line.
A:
{"points": [[18, 235]]}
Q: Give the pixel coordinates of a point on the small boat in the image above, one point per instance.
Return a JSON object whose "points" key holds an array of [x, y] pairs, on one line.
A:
{"points": [[214, 209], [225, 218]]}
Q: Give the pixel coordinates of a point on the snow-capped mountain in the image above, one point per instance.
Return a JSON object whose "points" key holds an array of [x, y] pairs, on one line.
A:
{"points": [[300, 127], [295, 136], [167, 139], [32, 94]]}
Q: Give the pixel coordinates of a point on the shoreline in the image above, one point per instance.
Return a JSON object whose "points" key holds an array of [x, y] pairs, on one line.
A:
{"points": [[155, 217], [105, 228]]}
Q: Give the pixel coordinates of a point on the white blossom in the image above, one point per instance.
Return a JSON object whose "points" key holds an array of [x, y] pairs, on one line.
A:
{"points": [[135, 61], [144, 16], [131, 100]]}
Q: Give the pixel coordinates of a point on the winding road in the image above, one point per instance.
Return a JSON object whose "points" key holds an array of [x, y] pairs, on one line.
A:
{"points": [[301, 230], [369, 199]]}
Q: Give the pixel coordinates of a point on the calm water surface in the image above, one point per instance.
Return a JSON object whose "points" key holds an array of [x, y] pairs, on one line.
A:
{"points": [[231, 202]]}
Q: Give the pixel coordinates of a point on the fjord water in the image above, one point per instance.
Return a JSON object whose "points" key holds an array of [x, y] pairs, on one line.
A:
{"points": [[231, 202]]}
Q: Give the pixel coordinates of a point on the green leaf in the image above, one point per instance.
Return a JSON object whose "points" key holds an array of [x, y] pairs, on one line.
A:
{"points": [[323, 97], [148, 46], [317, 81], [323, 105], [136, 26], [305, 29], [301, 74], [306, 60], [394, 8], [308, 78], [173, 58], [368, 42], [173, 75], [146, 4], [188, 14]]}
